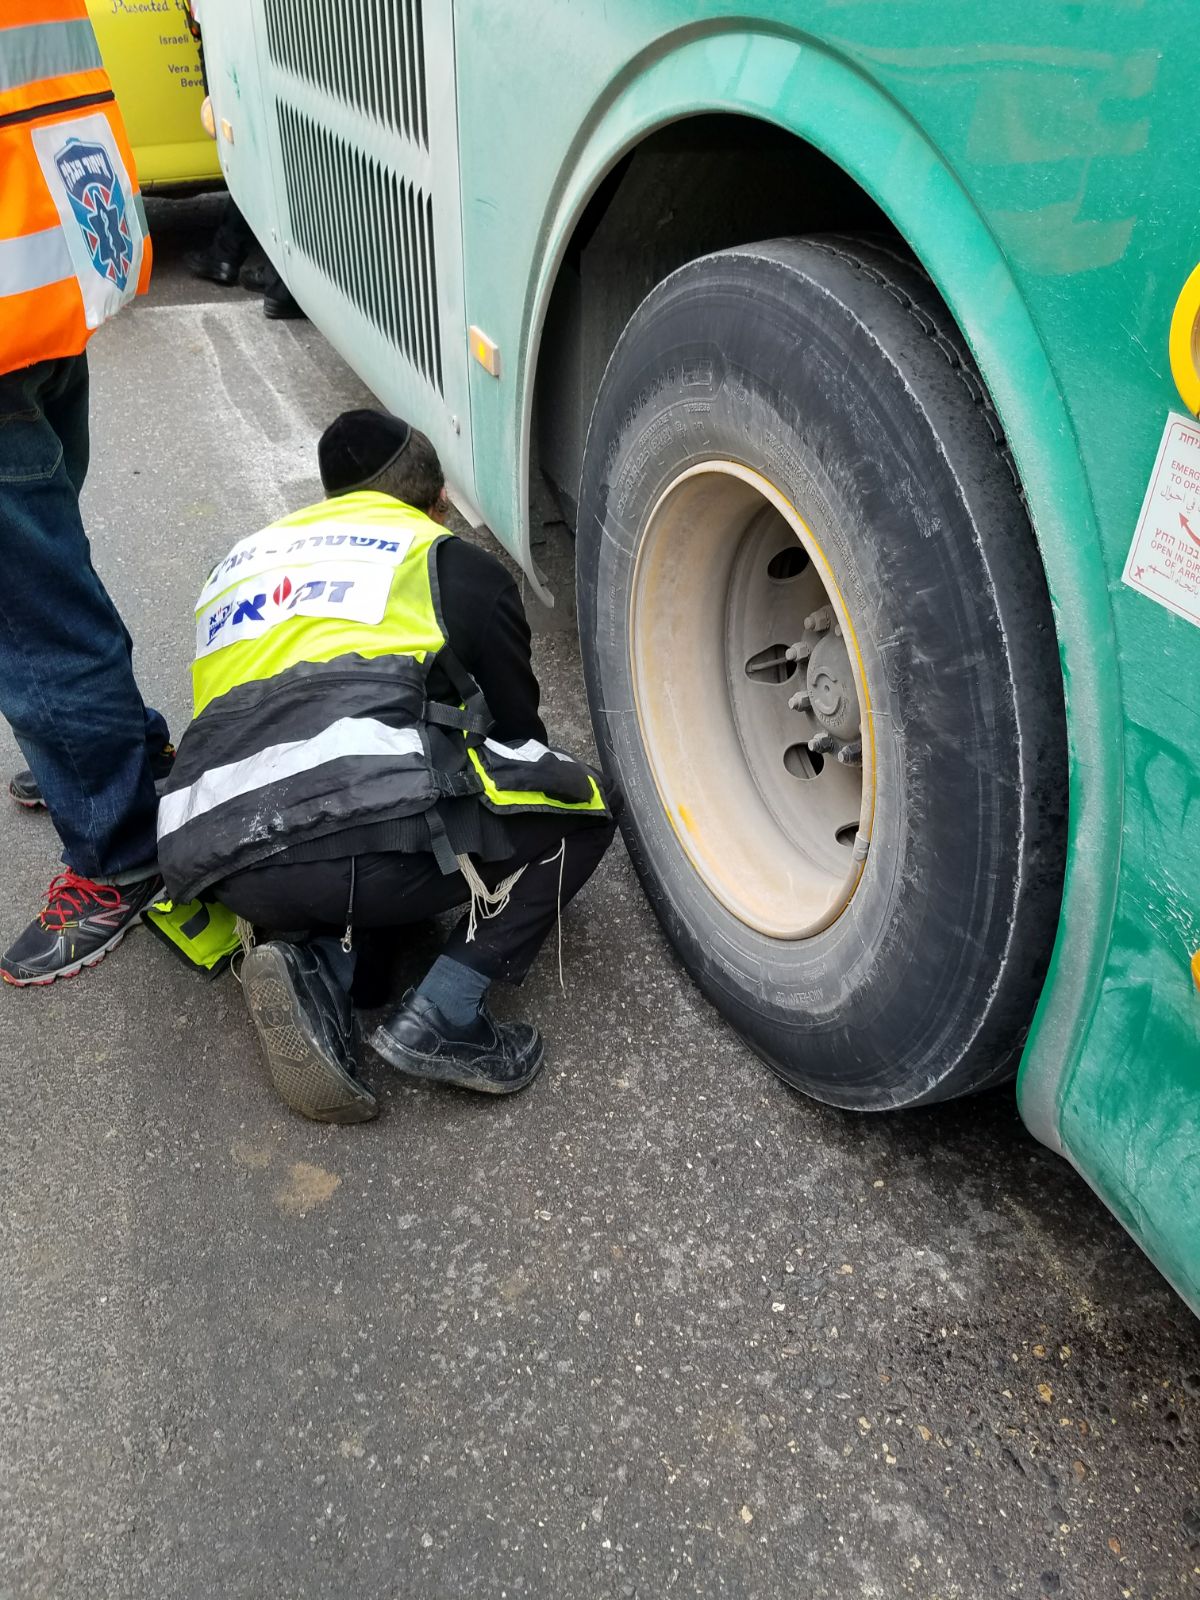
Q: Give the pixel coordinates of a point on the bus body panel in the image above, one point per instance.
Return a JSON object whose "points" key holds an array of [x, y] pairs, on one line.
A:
{"points": [[1037, 160], [1040, 174], [353, 194]]}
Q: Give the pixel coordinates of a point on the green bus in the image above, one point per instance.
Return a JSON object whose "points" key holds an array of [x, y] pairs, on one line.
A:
{"points": [[859, 341]]}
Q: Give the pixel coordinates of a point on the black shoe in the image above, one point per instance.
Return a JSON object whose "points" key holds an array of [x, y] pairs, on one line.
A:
{"points": [[280, 306], [216, 268], [82, 921], [305, 1024], [492, 1057], [24, 787]]}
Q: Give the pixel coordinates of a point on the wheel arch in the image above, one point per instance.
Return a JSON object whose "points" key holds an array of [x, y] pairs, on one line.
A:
{"points": [[801, 88]]}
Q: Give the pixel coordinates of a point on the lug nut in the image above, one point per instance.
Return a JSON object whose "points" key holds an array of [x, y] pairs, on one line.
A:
{"points": [[799, 652], [801, 701], [821, 745], [850, 755], [820, 621]]}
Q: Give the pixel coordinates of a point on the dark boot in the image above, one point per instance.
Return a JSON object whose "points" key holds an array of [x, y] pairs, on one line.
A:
{"points": [[221, 261], [488, 1056], [278, 302], [279, 305], [256, 275], [305, 1024], [212, 264]]}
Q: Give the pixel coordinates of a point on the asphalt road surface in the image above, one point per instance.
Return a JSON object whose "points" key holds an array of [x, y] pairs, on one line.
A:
{"points": [[658, 1327]]}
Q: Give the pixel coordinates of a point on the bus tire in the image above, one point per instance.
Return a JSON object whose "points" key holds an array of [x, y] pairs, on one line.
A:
{"points": [[822, 666]]}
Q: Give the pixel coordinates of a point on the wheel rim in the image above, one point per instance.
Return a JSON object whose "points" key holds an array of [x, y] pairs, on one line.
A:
{"points": [[752, 700]]}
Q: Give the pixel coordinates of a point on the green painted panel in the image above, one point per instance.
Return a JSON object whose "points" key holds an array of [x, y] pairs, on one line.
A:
{"points": [[1129, 1100], [1039, 157]]}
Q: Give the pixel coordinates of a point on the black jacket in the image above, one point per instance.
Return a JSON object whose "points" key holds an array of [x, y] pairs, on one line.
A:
{"points": [[488, 632]]}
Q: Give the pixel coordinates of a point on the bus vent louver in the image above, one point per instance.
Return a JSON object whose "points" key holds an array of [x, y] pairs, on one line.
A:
{"points": [[370, 54], [376, 246]]}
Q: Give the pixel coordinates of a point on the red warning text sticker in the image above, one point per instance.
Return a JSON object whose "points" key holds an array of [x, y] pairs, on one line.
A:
{"points": [[1164, 558]]}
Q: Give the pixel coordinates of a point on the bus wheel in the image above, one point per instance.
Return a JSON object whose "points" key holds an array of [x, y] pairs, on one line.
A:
{"points": [[822, 666]]}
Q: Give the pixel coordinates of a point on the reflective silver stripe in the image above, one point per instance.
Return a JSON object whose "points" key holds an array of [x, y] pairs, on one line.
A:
{"points": [[139, 206], [34, 260], [349, 736], [46, 50], [531, 750]]}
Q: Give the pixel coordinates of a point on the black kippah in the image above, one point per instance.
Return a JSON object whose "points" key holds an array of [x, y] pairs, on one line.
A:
{"points": [[357, 446]]}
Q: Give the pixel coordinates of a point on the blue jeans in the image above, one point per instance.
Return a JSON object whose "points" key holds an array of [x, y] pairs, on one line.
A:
{"points": [[66, 668]]}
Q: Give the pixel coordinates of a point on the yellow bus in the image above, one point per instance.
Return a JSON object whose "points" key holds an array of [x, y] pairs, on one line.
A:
{"points": [[154, 64]]}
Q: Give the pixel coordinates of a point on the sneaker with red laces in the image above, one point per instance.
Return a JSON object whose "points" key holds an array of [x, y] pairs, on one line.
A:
{"points": [[81, 922], [25, 790]]}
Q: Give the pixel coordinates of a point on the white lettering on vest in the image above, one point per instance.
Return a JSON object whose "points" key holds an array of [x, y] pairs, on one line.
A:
{"points": [[263, 552]]}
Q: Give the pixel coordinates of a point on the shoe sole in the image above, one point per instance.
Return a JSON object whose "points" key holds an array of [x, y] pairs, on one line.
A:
{"points": [[438, 1069], [310, 1083], [73, 971]]}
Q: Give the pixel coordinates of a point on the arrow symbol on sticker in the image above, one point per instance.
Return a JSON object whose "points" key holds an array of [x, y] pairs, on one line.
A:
{"points": [[1187, 528]]}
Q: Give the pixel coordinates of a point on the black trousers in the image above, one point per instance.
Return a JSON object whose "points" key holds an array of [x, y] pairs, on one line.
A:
{"points": [[234, 240], [558, 851]]}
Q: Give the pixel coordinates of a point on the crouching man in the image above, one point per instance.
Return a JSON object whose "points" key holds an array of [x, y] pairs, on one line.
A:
{"points": [[367, 751]]}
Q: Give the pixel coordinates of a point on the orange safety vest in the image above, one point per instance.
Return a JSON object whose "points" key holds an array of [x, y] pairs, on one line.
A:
{"points": [[74, 245]]}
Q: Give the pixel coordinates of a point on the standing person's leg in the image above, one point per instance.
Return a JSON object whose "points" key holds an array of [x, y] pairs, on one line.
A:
{"points": [[234, 238], [279, 304], [66, 411], [66, 681], [221, 259]]}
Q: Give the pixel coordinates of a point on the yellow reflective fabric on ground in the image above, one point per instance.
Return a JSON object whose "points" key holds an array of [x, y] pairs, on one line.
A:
{"points": [[204, 935]]}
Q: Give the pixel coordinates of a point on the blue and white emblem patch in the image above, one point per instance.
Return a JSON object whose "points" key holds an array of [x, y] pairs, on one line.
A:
{"points": [[98, 207], [99, 204]]}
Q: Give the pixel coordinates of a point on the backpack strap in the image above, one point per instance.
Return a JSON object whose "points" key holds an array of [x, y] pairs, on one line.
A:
{"points": [[439, 842], [473, 717]]}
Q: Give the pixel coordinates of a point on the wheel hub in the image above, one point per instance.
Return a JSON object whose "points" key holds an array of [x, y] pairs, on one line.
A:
{"points": [[831, 691], [756, 744]]}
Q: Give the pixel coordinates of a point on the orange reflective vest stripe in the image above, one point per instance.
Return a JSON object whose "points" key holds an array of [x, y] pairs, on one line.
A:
{"points": [[74, 245]]}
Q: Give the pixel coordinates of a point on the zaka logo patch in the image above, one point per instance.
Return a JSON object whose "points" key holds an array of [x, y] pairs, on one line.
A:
{"points": [[98, 201], [350, 591]]}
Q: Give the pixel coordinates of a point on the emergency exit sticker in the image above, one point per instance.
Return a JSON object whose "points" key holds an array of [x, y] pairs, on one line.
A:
{"points": [[1164, 558]]}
